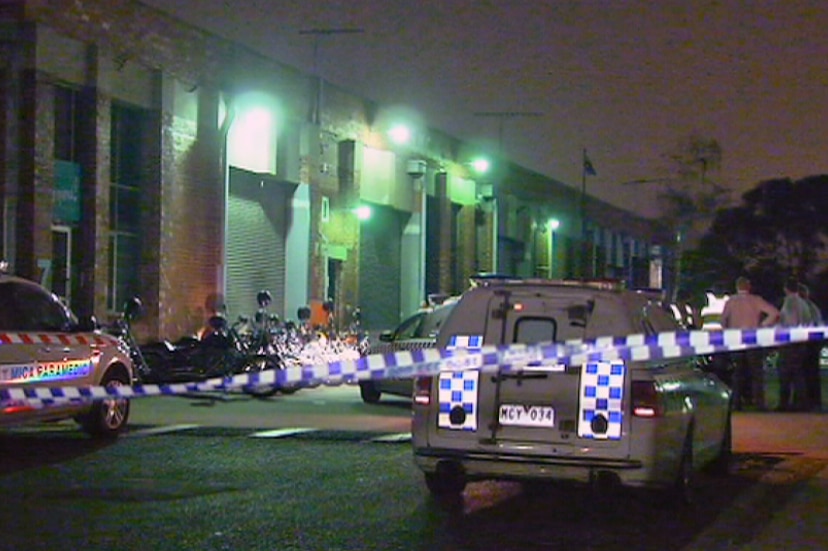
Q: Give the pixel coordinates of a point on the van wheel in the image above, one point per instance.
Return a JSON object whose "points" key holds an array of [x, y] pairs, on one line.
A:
{"points": [[107, 418], [445, 482], [721, 464], [368, 392], [683, 488]]}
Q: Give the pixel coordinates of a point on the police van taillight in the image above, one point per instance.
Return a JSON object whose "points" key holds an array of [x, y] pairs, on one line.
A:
{"points": [[422, 390], [646, 399], [17, 407]]}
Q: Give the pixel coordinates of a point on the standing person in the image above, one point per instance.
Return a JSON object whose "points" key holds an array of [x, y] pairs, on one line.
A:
{"points": [[746, 310], [794, 313], [813, 384]]}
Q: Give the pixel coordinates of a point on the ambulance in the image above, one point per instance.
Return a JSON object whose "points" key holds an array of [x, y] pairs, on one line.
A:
{"points": [[647, 424]]}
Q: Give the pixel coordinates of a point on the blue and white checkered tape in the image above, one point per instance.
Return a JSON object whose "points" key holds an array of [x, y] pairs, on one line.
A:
{"points": [[413, 363], [468, 342]]}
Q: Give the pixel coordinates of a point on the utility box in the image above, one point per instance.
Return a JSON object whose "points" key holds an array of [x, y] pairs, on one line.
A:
{"points": [[416, 168]]}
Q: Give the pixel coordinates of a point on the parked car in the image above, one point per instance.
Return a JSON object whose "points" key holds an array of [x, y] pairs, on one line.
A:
{"points": [[43, 345], [643, 424], [415, 332]]}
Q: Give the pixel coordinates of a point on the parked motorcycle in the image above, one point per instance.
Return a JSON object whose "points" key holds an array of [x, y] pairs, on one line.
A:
{"points": [[259, 340], [221, 352]]}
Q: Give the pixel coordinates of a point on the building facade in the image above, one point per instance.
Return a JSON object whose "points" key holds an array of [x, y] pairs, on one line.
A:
{"points": [[139, 155]]}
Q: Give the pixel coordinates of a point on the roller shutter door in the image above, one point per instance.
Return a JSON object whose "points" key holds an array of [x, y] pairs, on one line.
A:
{"points": [[379, 268], [257, 210]]}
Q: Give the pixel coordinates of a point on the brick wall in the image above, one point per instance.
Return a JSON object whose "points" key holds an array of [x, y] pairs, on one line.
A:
{"points": [[136, 33], [184, 213], [35, 197], [5, 77], [94, 157], [192, 218]]}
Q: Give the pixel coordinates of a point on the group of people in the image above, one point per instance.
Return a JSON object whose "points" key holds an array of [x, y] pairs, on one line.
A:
{"points": [[797, 366]]}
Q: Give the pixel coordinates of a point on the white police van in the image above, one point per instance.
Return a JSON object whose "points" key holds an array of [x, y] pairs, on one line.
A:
{"points": [[642, 424]]}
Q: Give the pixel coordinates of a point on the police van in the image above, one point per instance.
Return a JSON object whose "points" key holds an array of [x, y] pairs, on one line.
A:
{"points": [[642, 424]]}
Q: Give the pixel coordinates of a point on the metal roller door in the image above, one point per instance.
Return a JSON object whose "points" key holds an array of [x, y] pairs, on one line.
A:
{"points": [[257, 210], [379, 268]]}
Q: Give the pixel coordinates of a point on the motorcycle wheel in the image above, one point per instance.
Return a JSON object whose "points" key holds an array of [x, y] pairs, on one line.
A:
{"points": [[255, 365]]}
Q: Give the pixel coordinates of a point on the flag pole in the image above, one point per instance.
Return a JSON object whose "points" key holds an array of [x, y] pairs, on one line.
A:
{"points": [[583, 215]]}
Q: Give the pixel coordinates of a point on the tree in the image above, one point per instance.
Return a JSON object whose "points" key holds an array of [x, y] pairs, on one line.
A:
{"points": [[778, 230], [688, 198], [691, 201]]}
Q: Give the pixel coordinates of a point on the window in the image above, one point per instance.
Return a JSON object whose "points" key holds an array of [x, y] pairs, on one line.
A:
{"points": [[66, 124], [657, 319], [409, 329], [535, 330], [28, 308], [125, 203], [432, 322]]}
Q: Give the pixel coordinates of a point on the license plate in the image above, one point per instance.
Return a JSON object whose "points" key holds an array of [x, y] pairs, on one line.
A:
{"points": [[527, 416]]}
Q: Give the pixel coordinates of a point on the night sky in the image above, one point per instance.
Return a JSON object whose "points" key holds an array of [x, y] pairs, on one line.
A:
{"points": [[627, 80]]}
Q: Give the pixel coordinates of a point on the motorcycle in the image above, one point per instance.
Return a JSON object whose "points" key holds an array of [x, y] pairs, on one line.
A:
{"points": [[220, 352]]}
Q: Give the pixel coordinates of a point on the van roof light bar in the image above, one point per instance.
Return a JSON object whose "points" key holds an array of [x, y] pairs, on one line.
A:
{"points": [[486, 279]]}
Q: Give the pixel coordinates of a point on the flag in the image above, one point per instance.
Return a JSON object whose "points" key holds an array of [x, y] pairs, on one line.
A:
{"points": [[588, 168]]}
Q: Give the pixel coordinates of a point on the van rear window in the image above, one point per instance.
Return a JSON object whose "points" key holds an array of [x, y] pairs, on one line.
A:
{"points": [[530, 330]]}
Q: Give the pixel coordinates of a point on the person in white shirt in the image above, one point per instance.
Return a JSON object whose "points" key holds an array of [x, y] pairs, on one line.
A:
{"points": [[745, 310]]}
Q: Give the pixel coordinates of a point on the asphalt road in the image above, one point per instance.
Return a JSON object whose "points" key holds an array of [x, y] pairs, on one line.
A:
{"points": [[319, 470]]}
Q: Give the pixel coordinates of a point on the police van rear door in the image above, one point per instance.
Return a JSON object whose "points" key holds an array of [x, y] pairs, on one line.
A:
{"points": [[551, 408]]}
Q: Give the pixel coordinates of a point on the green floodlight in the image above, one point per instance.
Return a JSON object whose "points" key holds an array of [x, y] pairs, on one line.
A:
{"points": [[400, 134], [553, 224], [363, 212], [481, 165], [251, 136]]}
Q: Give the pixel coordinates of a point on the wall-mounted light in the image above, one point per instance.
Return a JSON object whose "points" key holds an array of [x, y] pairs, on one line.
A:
{"points": [[252, 136], [400, 134], [481, 165], [363, 212]]}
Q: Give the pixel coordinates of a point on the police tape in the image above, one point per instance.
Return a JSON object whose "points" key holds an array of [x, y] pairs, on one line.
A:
{"points": [[431, 361]]}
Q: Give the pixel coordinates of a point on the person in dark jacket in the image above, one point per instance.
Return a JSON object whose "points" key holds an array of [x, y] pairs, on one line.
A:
{"points": [[794, 313], [813, 382]]}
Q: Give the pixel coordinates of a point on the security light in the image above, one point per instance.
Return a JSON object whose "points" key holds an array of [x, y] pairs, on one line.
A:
{"points": [[480, 165]]}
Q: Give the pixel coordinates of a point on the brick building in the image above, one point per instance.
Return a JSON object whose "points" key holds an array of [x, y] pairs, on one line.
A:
{"points": [[140, 155]]}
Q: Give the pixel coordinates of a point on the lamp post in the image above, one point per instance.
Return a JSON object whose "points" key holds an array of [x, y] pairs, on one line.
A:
{"points": [[587, 169]]}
